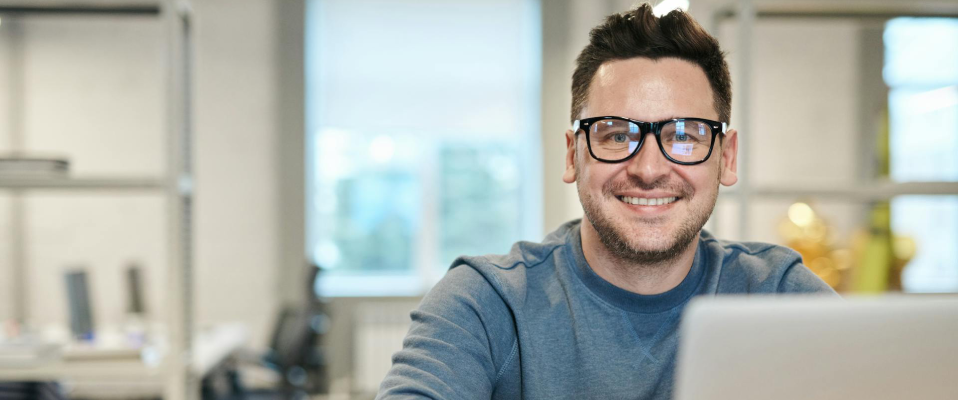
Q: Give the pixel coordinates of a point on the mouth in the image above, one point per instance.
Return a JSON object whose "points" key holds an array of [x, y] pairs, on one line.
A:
{"points": [[645, 201]]}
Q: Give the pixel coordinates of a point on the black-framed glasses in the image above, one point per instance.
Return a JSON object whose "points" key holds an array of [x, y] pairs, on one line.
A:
{"points": [[685, 141]]}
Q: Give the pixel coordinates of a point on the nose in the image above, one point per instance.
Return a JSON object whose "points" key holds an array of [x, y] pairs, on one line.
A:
{"points": [[649, 164]]}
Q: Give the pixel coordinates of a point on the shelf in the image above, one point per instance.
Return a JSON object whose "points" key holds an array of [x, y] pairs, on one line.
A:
{"points": [[875, 9], [85, 183], [853, 192], [116, 8]]}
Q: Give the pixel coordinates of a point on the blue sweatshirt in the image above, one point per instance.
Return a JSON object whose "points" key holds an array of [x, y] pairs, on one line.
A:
{"points": [[538, 323]]}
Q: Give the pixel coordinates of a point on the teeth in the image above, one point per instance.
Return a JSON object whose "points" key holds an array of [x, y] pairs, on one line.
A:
{"points": [[647, 202]]}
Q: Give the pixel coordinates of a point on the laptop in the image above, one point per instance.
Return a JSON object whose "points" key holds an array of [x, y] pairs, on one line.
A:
{"points": [[783, 348]]}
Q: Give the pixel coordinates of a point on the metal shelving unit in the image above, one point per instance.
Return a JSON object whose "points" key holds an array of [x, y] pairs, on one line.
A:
{"points": [[877, 191], [176, 186], [85, 183]]}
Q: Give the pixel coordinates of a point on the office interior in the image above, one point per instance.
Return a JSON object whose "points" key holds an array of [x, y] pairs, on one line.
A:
{"points": [[224, 175]]}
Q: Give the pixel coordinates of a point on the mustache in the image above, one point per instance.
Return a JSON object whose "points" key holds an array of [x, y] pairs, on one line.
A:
{"points": [[682, 188]]}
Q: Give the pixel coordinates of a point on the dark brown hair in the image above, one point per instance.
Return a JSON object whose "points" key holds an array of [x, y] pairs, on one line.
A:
{"points": [[639, 33]]}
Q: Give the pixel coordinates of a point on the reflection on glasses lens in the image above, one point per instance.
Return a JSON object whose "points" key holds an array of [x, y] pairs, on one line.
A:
{"points": [[686, 141]]}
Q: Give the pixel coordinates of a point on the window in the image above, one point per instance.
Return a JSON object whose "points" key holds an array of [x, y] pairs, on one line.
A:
{"points": [[423, 123], [921, 70]]}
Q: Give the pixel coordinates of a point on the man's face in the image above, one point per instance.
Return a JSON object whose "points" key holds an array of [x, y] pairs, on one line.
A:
{"points": [[647, 90]]}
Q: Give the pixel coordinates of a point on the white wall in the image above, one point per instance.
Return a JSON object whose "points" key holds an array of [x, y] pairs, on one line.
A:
{"points": [[804, 114], [236, 126], [94, 90]]}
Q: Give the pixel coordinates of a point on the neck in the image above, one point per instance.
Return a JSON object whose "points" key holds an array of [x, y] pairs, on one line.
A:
{"points": [[636, 277]]}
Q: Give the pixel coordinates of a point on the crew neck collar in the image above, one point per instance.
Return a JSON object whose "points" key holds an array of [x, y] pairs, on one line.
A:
{"points": [[630, 301]]}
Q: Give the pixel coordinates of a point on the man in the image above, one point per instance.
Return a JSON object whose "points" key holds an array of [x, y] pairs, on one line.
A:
{"points": [[593, 311]]}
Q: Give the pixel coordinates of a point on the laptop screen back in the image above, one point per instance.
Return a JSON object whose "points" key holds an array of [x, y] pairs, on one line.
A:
{"points": [[783, 348]]}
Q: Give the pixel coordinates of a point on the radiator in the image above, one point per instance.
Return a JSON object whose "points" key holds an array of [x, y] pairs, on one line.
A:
{"points": [[379, 330]]}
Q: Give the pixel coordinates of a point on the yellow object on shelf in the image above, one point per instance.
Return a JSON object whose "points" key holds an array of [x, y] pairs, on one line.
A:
{"points": [[810, 235]]}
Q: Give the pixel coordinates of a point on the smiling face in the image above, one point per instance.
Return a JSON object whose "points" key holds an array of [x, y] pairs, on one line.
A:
{"points": [[648, 209]]}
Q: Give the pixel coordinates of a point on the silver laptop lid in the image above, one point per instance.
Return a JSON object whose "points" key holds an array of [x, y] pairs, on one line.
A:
{"points": [[765, 347]]}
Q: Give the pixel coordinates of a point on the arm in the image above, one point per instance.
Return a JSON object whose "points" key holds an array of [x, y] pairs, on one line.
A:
{"points": [[462, 336]]}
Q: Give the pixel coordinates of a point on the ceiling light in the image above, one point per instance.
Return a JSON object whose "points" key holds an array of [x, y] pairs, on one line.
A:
{"points": [[666, 6]]}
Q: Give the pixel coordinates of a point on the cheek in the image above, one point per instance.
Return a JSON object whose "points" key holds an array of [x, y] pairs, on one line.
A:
{"points": [[705, 179], [692, 174], [583, 167], [599, 177]]}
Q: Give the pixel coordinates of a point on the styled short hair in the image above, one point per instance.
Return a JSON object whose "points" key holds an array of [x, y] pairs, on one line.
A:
{"points": [[639, 33]]}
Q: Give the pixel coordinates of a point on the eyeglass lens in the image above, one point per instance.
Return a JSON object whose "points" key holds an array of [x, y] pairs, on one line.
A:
{"points": [[683, 141]]}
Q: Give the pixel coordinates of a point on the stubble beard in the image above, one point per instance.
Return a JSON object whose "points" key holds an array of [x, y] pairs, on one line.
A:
{"points": [[614, 232]]}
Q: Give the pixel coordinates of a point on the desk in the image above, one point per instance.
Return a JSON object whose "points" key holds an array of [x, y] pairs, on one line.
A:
{"points": [[131, 377]]}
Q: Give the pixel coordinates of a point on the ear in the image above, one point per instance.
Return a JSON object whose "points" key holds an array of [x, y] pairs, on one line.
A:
{"points": [[728, 172], [569, 175]]}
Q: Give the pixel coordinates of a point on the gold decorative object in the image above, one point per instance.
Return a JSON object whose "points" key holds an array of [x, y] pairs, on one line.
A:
{"points": [[811, 236]]}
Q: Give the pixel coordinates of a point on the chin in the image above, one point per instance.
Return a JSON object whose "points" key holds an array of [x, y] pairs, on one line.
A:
{"points": [[656, 243], [641, 241]]}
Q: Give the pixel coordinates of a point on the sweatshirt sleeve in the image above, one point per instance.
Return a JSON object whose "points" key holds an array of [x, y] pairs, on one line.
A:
{"points": [[462, 336]]}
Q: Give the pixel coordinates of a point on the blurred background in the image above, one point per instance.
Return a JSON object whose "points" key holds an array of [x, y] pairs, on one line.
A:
{"points": [[267, 188]]}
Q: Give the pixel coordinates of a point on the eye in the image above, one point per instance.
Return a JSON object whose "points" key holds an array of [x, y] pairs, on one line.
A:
{"points": [[620, 138], [683, 137]]}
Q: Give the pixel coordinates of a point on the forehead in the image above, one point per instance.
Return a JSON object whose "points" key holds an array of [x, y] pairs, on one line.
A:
{"points": [[650, 90]]}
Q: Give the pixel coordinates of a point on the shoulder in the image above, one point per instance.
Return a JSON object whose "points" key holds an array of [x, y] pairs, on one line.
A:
{"points": [[526, 265], [481, 295], [760, 267], [751, 257]]}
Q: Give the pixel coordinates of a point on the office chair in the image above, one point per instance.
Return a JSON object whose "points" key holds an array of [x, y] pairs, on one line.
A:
{"points": [[294, 354]]}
